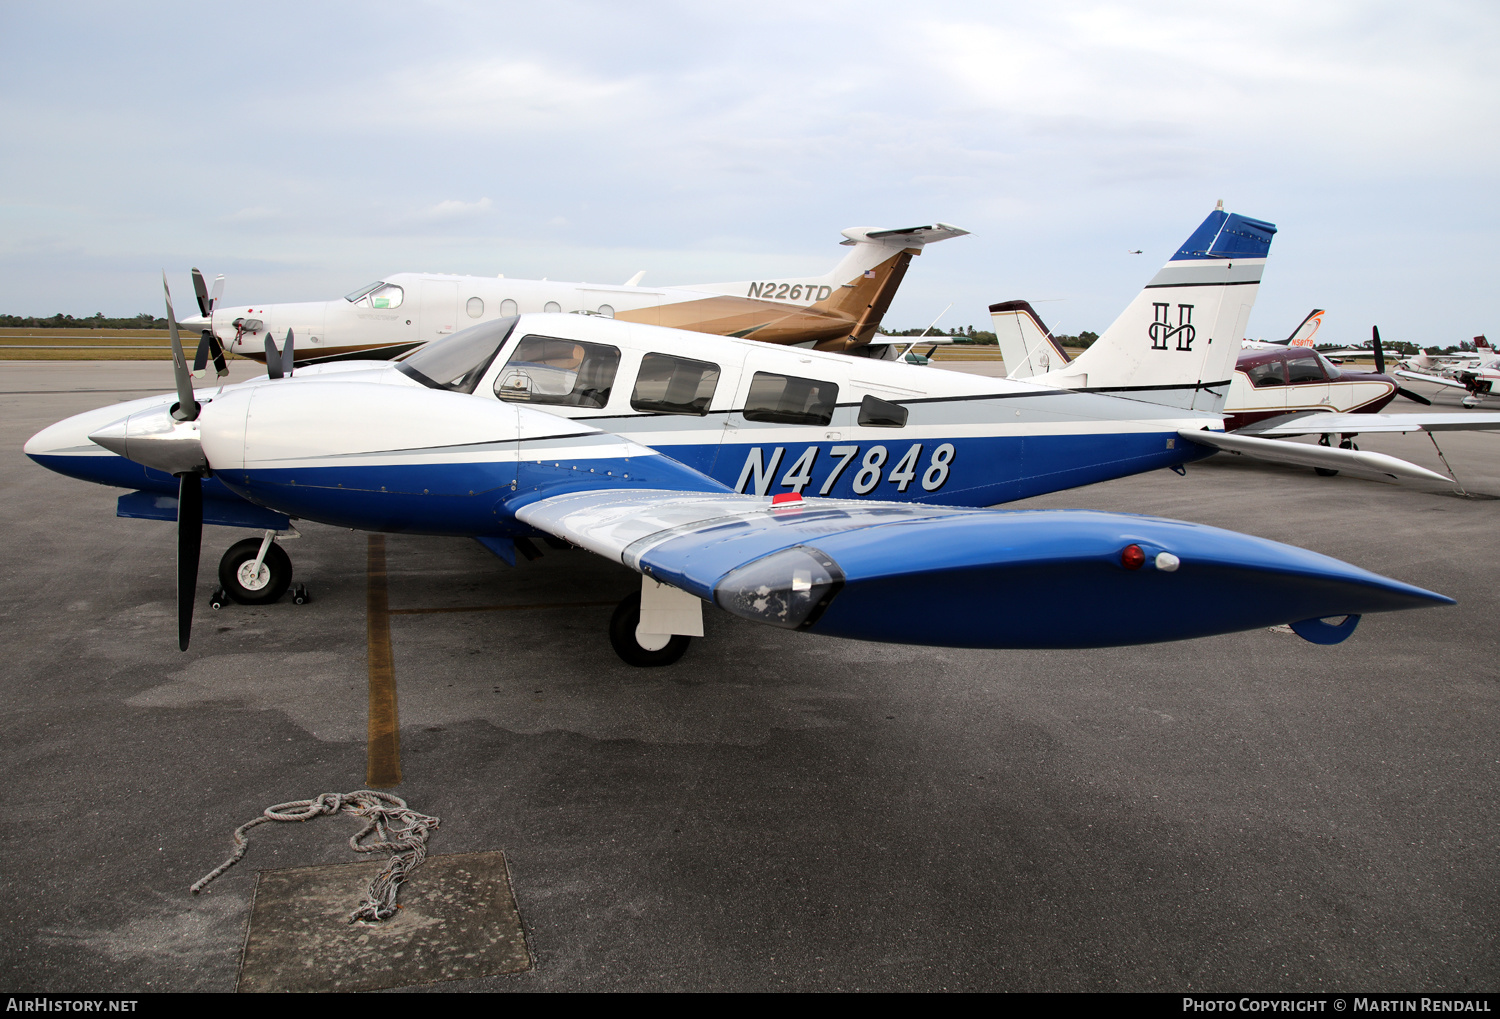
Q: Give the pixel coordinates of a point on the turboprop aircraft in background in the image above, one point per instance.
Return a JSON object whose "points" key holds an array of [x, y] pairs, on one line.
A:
{"points": [[838, 310], [658, 448]]}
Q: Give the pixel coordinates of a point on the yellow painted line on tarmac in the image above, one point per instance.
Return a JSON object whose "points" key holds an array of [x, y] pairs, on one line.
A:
{"points": [[383, 749]]}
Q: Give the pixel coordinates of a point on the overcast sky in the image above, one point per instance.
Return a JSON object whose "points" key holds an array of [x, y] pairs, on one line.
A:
{"points": [[305, 149]]}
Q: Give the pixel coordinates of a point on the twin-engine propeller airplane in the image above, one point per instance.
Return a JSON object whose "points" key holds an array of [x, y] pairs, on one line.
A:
{"points": [[840, 310], [659, 448]]}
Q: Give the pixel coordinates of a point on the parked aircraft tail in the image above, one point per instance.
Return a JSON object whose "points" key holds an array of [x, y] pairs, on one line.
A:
{"points": [[1302, 336], [859, 288], [1026, 345], [1177, 342]]}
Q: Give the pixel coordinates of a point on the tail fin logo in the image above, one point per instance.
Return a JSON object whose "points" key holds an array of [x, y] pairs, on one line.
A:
{"points": [[1162, 330]]}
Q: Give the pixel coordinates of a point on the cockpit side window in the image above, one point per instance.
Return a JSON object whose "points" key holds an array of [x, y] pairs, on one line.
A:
{"points": [[387, 297], [559, 372], [788, 400], [1303, 369], [1269, 373], [674, 385]]}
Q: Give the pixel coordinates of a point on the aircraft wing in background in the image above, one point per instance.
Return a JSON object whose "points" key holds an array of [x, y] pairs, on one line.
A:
{"points": [[1326, 423]]}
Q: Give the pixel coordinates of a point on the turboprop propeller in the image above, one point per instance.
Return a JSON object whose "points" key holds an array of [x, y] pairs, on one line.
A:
{"points": [[208, 343], [1380, 368], [279, 363]]}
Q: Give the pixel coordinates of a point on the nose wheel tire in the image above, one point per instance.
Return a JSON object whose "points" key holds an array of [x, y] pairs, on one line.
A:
{"points": [[248, 586], [622, 636]]}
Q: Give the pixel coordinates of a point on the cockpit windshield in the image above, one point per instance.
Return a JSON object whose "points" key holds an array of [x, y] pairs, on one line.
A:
{"points": [[381, 296], [362, 291], [1329, 367], [458, 362]]}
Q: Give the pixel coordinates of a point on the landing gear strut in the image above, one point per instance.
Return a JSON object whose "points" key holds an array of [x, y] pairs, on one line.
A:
{"points": [[1325, 440], [255, 571], [648, 651]]}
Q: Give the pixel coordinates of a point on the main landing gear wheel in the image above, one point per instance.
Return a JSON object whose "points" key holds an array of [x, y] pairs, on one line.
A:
{"points": [[248, 586], [1324, 472], [622, 635]]}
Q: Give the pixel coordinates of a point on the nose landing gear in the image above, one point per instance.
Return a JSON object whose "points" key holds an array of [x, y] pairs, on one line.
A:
{"points": [[255, 572]]}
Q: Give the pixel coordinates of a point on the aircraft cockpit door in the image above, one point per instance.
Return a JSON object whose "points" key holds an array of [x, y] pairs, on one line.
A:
{"points": [[438, 316], [1307, 386]]}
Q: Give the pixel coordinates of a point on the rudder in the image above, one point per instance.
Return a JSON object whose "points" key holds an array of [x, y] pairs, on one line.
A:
{"points": [[1177, 342]]}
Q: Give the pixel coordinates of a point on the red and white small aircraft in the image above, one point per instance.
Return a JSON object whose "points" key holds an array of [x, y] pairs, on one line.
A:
{"points": [[1276, 390], [1477, 373]]}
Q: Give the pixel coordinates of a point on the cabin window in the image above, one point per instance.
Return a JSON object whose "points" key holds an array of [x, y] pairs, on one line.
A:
{"points": [[475, 307], [1268, 374], [552, 307], [674, 385], [788, 400], [877, 413], [1303, 369], [508, 308], [607, 311], [561, 373]]}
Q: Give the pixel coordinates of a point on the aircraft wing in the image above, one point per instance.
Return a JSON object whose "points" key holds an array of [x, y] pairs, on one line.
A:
{"points": [[985, 578], [1327, 423], [1434, 379], [1306, 455]]}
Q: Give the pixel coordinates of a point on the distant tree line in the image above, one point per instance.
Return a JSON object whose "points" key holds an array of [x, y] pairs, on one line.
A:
{"points": [[963, 334], [1084, 339], [60, 321]]}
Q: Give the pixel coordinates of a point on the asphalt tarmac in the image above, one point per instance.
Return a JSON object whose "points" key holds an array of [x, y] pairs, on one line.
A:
{"points": [[776, 811]]}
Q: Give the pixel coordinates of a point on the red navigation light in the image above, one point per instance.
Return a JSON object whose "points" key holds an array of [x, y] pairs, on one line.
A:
{"points": [[785, 497], [1132, 558]]}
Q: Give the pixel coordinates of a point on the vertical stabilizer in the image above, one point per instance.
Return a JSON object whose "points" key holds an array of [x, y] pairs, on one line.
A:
{"points": [[1303, 335], [1177, 342], [1026, 344]]}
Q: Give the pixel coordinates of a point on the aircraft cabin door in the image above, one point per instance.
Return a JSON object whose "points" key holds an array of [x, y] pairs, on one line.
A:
{"points": [[438, 316]]}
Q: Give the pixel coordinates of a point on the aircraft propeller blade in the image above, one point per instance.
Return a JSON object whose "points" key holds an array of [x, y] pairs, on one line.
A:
{"points": [[187, 407], [200, 289], [273, 358], [1417, 397], [200, 359], [216, 293], [1379, 353], [288, 360], [189, 545]]}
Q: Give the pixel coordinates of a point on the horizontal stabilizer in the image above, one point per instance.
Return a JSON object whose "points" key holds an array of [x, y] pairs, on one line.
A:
{"points": [[911, 235], [1305, 455]]}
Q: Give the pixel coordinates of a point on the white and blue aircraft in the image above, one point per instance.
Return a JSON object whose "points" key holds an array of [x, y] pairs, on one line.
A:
{"points": [[803, 489]]}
